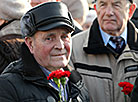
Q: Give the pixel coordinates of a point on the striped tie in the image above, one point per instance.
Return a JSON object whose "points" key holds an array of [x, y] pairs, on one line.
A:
{"points": [[119, 43]]}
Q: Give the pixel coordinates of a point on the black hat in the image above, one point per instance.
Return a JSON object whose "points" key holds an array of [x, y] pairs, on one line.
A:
{"points": [[46, 16]]}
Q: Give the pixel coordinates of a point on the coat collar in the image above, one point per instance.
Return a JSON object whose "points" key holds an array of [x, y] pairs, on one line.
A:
{"points": [[32, 72], [95, 44], [30, 66], [31, 69]]}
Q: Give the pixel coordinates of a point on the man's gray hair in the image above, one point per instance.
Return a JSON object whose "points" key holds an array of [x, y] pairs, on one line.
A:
{"points": [[131, 1]]}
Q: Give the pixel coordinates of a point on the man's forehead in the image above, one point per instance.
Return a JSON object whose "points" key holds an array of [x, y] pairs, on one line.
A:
{"points": [[112, 1], [115, 0]]}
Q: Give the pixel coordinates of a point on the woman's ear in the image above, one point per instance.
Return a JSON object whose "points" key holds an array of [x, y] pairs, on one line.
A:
{"points": [[29, 43], [132, 10]]}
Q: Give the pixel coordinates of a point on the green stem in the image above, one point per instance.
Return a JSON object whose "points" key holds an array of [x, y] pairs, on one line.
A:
{"points": [[60, 95], [64, 93], [125, 98]]}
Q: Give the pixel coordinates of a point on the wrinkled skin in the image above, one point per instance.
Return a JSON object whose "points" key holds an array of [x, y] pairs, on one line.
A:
{"points": [[51, 49], [113, 15]]}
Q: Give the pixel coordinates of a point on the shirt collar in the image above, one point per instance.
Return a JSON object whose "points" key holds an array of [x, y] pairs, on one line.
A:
{"points": [[52, 83], [106, 36], [124, 35], [46, 72]]}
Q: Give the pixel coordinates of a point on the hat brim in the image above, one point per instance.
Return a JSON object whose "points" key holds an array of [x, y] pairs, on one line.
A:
{"points": [[54, 25]]}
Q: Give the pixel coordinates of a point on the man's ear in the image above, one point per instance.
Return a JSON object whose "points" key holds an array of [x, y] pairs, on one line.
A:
{"points": [[132, 10], [2, 21], [28, 42]]}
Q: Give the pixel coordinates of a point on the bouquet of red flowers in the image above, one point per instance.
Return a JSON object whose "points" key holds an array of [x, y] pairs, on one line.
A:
{"points": [[60, 78], [127, 88]]}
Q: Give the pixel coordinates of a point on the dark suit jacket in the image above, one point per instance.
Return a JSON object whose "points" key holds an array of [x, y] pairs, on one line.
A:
{"points": [[135, 18]]}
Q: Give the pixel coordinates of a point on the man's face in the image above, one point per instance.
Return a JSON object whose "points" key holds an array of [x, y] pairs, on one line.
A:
{"points": [[112, 15], [51, 49]]}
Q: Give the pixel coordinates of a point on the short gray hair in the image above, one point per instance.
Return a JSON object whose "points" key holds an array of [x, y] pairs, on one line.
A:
{"points": [[131, 1]]}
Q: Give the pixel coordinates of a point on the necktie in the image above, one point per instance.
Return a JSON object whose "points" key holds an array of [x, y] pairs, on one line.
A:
{"points": [[119, 43]]}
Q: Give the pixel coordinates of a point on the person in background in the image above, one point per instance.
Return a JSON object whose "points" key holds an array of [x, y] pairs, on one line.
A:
{"points": [[10, 32], [36, 2], [78, 8], [89, 19], [107, 52], [78, 13], [47, 48], [9, 49], [135, 15], [134, 93]]}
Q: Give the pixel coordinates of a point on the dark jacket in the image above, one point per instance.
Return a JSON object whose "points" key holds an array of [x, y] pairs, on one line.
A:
{"points": [[24, 81], [10, 42], [134, 95], [135, 18]]}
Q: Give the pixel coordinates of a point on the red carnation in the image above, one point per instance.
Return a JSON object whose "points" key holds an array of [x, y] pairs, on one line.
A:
{"points": [[127, 87], [58, 74], [60, 78]]}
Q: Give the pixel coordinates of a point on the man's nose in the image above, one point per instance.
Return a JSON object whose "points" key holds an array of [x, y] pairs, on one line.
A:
{"points": [[109, 11], [59, 44]]}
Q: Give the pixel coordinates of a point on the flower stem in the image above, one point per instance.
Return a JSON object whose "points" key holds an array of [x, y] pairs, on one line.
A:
{"points": [[60, 95], [64, 93], [125, 98]]}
